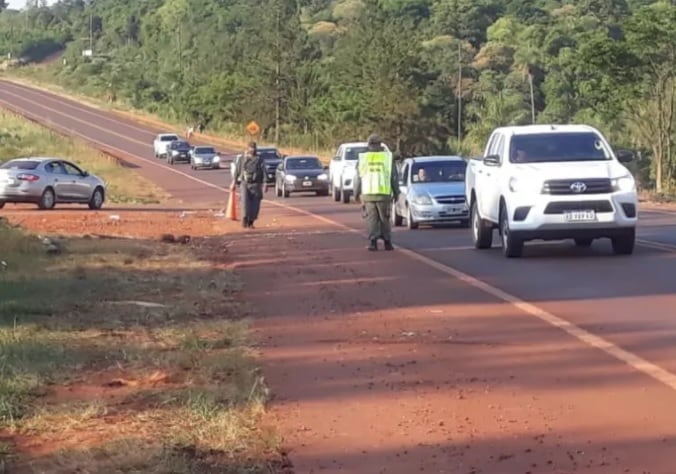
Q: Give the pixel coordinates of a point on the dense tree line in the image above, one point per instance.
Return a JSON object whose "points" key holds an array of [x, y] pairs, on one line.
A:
{"points": [[429, 75]]}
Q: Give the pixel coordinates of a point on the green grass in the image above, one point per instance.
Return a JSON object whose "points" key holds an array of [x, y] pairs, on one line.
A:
{"points": [[188, 396], [21, 137]]}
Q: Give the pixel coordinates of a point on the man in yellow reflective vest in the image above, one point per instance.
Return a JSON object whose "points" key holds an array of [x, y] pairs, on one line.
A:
{"points": [[375, 185]]}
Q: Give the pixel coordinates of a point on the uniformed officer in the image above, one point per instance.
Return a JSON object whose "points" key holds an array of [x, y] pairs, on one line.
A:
{"points": [[250, 175], [376, 184]]}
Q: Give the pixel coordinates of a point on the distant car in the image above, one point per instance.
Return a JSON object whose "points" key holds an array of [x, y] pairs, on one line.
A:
{"points": [[301, 174], [271, 159], [204, 157], [49, 181], [178, 150], [161, 143], [432, 192]]}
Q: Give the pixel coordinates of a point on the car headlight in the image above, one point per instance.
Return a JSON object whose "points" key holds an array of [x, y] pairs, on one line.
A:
{"points": [[523, 185], [624, 183], [422, 200], [216, 158], [290, 178], [323, 177]]}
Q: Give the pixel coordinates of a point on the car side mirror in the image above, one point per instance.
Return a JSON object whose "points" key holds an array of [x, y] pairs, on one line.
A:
{"points": [[625, 156], [492, 160], [325, 167], [85, 173]]}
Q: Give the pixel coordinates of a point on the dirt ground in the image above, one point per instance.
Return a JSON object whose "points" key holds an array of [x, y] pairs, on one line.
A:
{"points": [[371, 374]]}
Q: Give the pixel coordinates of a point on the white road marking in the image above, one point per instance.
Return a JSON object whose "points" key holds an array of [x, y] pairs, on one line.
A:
{"points": [[632, 360]]}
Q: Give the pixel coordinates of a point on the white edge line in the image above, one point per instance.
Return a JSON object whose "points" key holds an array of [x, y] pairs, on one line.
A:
{"points": [[630, 359]]}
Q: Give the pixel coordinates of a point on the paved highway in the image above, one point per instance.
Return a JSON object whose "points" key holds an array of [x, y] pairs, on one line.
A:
{"points": [[623, 306]]}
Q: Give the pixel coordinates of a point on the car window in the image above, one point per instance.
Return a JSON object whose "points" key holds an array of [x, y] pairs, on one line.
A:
{"points": [[404, 174], [204, 149], [339, 154], [438, 172], [168, 138], [71, 169], [352, 153], [268, 154], [20, 165], [309, 163], [557, 147], [55, 167]]}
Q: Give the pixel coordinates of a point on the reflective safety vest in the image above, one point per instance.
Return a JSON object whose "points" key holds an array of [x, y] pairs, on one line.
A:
{"points": [[375, 172]]}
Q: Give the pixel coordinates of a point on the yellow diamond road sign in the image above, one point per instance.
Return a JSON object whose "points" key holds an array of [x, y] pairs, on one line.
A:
{"points": [[253, 128]]}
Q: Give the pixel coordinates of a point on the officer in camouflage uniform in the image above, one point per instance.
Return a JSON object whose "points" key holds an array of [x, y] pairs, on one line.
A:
{"points": [[249, 175], [376, 184]]}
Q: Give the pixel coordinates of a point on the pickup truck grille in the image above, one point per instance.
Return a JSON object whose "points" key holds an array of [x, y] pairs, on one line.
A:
{"points": [[559, 207], [450, 199], [577, 186]]}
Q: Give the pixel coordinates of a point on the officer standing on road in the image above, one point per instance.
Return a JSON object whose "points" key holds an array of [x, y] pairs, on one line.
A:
{"points": [[249, 175], [375, 185]]}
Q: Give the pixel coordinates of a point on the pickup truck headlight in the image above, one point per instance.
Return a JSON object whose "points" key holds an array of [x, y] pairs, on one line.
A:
{"points": [[216, 159], [290, 178], [523, 185], [422, 200], [323, 177], [624, 183]]}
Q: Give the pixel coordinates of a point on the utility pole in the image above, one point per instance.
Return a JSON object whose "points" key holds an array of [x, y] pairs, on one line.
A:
{"points": [[459, 92], [277, 73], [532, 95]]}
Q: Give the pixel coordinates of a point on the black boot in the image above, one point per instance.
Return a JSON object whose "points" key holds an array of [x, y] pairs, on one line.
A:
{"points": [[388, 245], [245, 222], [373, 245]]}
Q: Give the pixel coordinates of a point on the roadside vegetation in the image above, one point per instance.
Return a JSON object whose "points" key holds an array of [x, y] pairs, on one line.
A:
{"points": [[316, 72], [21, 137], [124, 356]]}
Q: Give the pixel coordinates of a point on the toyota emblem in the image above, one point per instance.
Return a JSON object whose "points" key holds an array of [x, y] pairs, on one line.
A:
{"points": [[578, 187]]}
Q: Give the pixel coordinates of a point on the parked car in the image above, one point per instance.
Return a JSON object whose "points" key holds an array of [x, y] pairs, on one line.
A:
{"points": [[178, 150], [342, 170], [161, 143], [552, 182], [49, 181], [432, 192], [301, 174], [204, 157]]}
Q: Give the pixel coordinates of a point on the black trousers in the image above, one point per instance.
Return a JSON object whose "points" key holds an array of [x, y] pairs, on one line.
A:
{"points": [[252, 195]]}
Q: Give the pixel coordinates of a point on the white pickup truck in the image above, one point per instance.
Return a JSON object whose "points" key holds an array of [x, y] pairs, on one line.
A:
{"points": [[342, 170], [551, 182], [161, 143]]}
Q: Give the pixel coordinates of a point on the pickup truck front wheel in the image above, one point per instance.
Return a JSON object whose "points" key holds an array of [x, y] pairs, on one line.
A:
{"points": [[397, 220], [512, 247], [482, 231], [410, 221], [624, 244]]}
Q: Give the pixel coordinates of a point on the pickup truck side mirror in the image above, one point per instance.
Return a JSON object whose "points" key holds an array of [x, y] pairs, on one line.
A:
{"points": [[492, 160], [625, 156], [325, 167]]}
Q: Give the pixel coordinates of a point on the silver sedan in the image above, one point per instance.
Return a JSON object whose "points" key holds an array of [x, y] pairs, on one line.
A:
{"points": [[204, 157], [48, 181]]}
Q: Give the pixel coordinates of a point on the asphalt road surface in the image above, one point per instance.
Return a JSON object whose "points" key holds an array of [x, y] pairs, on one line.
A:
{"points": [[623, 307]]}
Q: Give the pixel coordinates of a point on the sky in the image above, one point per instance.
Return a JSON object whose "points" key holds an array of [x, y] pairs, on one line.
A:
{"points": [[17, 4]]}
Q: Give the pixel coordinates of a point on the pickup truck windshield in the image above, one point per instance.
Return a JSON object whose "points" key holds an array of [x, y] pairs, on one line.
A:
{"points": [[352, 154], [556, 147], [438, 172]]}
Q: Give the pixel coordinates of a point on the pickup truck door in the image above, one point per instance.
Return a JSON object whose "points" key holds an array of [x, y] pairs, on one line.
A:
{"points": [[334, 168], [490, 185]]}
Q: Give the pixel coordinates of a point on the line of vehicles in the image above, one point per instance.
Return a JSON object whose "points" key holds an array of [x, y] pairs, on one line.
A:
{"points": [[535, 182]]}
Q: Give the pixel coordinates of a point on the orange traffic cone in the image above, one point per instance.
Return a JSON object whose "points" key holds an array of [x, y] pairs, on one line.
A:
{"points": [[231, 211]]}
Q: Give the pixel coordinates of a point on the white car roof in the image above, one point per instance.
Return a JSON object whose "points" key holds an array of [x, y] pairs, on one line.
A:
{"points": [[37, 158], [427, 159], [545, 128], [168, 134], [356, 144]]}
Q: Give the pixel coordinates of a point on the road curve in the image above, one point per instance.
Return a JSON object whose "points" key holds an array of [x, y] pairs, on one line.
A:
{"points": [[620, 307]]}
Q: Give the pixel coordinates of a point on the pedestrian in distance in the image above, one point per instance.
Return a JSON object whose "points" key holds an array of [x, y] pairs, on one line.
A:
{"points": [[376, 184], [249, 176]]}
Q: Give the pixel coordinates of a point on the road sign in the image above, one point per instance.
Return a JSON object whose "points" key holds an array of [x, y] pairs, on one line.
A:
{"points": [[252, 128]]}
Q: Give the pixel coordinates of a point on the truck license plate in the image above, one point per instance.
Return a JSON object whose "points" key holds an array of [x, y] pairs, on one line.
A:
{"points": [[307, 183], [580, 216]]}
